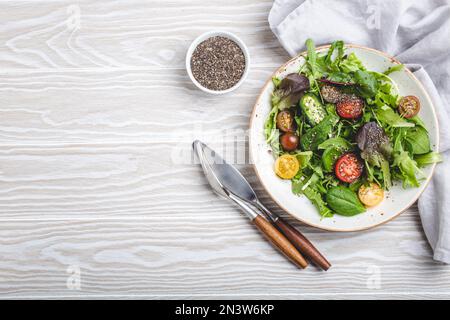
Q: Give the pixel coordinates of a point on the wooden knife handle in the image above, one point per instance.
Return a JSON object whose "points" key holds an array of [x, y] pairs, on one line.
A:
{"points": [[280, 241], [302, 244]]}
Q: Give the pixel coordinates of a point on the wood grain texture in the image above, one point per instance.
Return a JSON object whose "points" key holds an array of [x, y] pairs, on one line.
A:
{"points": [[96, 119], [279, 241]]}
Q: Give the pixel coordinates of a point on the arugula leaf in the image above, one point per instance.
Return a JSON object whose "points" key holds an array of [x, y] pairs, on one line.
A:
{"points": [[389, 117], [312, 58], [367, 83], [351, 64], [397, 67], [298, 187]]}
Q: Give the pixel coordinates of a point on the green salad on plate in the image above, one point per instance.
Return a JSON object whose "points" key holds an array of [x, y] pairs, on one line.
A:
{"points": [[343, 134]]}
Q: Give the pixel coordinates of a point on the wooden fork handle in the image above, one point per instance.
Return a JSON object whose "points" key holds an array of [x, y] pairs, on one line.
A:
{"points": [[302, 244], [280, 241]]}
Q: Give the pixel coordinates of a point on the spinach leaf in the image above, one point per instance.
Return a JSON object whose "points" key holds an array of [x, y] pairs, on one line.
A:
{"points": [[344, 201], [329, 157], [333, 149], [337, 142]]}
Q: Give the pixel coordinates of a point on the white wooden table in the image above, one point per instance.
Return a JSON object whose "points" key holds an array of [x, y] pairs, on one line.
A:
{"points": [[93, 99]]}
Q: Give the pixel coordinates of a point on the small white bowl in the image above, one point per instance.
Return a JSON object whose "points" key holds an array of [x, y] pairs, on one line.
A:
{"points": [[208, 35]]}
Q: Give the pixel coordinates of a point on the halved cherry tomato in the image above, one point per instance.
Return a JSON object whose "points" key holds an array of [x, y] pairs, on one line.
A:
{"points": [[287, 166], [409, 106], [285, 121], [289, 141], [348, 168], [370, 194], [350, 108]]}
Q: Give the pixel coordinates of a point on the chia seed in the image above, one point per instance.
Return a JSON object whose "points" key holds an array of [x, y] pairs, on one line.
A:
{"points": [[218, 63]]}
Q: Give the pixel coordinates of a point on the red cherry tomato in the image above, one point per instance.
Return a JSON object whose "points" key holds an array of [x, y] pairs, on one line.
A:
{"points": [[348, 168], [409, 106], [289, 141], [350, 108]]}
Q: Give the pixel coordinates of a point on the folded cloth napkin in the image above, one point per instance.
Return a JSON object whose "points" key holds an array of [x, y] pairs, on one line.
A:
{"points": [[417, 32]]}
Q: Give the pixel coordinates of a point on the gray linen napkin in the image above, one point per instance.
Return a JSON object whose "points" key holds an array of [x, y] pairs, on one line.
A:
{"points": [[417, 32]]}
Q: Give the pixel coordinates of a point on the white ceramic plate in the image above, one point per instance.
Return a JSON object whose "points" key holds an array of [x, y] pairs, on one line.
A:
{"points": [[397, 199]]}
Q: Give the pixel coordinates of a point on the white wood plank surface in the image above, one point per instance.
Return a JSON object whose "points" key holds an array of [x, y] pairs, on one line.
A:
{"points": [[94, 105]]}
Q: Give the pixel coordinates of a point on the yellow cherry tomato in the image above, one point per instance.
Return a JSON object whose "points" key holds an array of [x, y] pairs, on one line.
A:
{"points": [[371, 194], [287, 166]]}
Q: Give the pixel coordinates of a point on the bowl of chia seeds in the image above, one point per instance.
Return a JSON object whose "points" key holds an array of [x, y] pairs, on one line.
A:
{"points": [[217, 62]]}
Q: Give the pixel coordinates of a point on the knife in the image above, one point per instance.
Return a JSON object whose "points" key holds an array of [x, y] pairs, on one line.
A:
{"points": [[232, 180], [221, 178]]}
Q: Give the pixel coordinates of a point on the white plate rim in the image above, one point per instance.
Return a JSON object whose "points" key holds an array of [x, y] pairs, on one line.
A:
{"points": [[327, 228]]}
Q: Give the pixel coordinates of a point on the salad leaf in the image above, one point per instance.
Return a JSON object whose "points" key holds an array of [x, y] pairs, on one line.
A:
{"points": [[334, 147], [304, 158], [397, 67], [271, 132], [337, 142], [311, 58], [367, 83], [317, 200], [313, 195], [389, 117], [276, 81], [417, 140], [428, 158], [329, 157], [386, 95], [418, 121], [351, 64], [339, 45], [290, 90], [318, 134], [344, 201], [375, 148], [408, 168]]}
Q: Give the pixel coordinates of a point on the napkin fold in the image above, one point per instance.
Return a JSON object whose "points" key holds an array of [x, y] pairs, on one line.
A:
{"points": [[417, 32]]}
